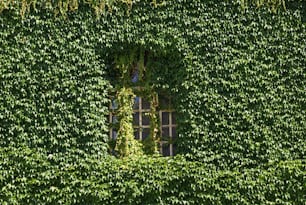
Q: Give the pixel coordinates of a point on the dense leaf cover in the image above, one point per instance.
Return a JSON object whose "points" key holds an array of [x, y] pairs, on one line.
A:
{"points": [[238, 81], [52, 92], [29, 177], [243, 97]]}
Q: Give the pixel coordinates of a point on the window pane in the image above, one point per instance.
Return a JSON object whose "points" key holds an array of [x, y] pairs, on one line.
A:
{"points": [[145, 104], [165, 132], [145, 133], [136, 103], [174, 148], [173, 118], [174, 132], [114, 119], [145, 119], [114, 134], [114, 105], [165, 118], [166, 149], [164, 103], [135, 76], [136, 118]]}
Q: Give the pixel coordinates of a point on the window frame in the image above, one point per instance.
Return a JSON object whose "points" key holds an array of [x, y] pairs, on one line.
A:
{"points": [[140, 109]]}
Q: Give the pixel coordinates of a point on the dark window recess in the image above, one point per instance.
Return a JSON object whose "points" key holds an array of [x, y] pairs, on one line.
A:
{"points": [[165, 118], [174, 135], [166, 149], [173, 118], [145, 105], [174, 148], [165, 132], [136, 119], [145, 133]]}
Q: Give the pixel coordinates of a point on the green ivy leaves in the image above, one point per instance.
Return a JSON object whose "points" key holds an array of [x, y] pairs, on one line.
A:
{"points": [[238, 84], [53, 90], [126, 144], [29, 177]]}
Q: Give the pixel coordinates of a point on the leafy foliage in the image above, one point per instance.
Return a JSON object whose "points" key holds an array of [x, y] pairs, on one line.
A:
{"points": [[126, 144], [28, 177], [100, 7], [53, 94], [238, 82], [243, 98]]}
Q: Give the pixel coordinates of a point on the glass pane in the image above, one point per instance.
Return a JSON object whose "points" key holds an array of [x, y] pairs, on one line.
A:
{"points": [[164, 103], [174, 148], [145, 119], [145, 104], [173, 118], [165, 118], [114, 119], [166, 150], [136, 118], [165, 132], [174, 134], [135, 76], [114, 105], [114, 134], [145, 133], [136, 103]]}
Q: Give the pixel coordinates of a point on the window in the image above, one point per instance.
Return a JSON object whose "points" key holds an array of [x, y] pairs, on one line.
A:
{"points": [[141, 122], [113, 119], [167, 128], [141, 111]]}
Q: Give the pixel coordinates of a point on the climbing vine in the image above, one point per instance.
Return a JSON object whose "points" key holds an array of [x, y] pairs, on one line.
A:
{"points": [[126, 144], [128, 65], [151, 144]]}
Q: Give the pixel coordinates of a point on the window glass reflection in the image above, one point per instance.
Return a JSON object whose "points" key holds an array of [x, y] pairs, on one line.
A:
{"points": [[136, 103]]}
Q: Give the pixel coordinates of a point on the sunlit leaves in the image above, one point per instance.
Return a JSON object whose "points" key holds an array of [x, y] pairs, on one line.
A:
{"points": [[144, 180], [238, 86]]}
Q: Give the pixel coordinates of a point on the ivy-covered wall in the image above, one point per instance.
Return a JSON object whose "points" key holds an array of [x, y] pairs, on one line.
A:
{"points": [[53, 94], [237, 78], [30, 177], [243, 97]]}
